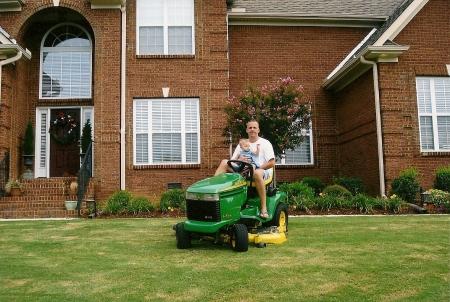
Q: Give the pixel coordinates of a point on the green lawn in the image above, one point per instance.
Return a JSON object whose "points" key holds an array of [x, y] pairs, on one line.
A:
{"points": [[352, 258]]}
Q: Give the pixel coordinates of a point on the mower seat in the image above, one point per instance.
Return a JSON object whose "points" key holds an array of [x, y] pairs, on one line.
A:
{"points": [[268, 181]]}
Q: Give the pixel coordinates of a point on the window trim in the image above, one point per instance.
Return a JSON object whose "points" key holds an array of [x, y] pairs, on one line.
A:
{"points": [[434, 114], [309, 133], [60, 50], [140, 23], [183, 132]]}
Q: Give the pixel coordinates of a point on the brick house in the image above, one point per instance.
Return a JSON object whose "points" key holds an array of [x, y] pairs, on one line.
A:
{"points": [[152, 77]]}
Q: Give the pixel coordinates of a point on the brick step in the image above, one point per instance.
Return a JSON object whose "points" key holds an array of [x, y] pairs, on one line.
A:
{"points": [[33, 213], [42, 198]]}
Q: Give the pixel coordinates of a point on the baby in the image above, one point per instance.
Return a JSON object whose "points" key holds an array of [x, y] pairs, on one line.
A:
{"points": [[246, 150]]}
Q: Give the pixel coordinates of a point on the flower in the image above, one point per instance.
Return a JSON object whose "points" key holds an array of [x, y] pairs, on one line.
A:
{"points": [[393, 196], [61, 123]]}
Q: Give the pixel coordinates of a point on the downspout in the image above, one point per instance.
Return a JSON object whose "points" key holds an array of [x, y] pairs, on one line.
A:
{"points": [[17, 57], [122, 94], [378, 123]]}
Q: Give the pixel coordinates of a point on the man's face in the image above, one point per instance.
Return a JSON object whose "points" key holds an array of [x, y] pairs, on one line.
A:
{"points": [[252, 129]]}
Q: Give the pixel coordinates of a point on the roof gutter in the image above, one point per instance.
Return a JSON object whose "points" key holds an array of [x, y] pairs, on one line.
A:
{"points": [[378, 124]]}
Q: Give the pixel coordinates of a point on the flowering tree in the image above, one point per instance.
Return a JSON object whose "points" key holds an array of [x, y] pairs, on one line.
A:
{"points": [[278, 107]]}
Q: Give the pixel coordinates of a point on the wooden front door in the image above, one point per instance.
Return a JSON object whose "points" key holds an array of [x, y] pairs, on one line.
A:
{"points": [[64, 150]]}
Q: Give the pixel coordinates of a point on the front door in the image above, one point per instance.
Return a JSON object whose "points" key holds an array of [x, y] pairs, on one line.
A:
{"points": [[64, 137], [57, 133]]}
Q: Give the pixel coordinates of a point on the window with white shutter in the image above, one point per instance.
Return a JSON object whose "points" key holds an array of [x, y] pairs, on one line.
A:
{"points": [[303, 154], [166, 131], [165, 27], [433, 101]]}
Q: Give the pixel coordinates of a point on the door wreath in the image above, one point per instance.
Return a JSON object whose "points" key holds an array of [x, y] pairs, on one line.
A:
{"points": [[63, 121]]}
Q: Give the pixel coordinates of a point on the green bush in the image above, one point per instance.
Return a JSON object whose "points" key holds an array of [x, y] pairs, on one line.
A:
{"points": [[314, 183], [337, 191], [118, 202], [173, 198], [354, 185], [439, 197], [297, 193], [442, 181], [331, 202], [140, 205], [363, 203], [406, 185]]}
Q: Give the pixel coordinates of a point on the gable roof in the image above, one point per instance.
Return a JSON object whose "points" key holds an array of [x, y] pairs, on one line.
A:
{"points": [[378, 47]]}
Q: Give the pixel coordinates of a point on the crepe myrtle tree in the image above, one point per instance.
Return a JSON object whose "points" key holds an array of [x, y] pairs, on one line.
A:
{"points": [[280, 108]]}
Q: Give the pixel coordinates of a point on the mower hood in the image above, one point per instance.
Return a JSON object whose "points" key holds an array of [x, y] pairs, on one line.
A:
{"points": [[218, 184]]}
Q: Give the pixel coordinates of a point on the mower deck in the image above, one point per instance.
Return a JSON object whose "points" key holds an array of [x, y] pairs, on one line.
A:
{"points": [[272, 234]]}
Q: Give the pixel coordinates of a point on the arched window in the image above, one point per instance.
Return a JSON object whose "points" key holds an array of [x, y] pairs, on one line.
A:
{"points": [[66, 63]]}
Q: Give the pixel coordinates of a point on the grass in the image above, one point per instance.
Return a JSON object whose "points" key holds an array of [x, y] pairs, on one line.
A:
{"points": [[352, 258]]}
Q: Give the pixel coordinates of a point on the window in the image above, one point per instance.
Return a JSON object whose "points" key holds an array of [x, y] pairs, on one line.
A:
{"points": [[302, 155], [66, 66], [165, 27], [166, 131], [433, 101]]}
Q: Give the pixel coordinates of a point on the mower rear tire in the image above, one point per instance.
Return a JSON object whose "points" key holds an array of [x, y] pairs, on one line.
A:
{"points": [[280, 217], [239, 238], [183, 237]]}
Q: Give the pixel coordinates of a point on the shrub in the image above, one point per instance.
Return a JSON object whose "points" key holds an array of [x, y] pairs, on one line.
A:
{"points": [[363, 203], [118, 202], [173, 198], [354, 185], [314, 183], [297, 193], [336, 191], [331, 202], [439, 197], [86, 136], [394, 203], [280, 108], [28, 139], [442, 181], [406, 185], [140, 205]]}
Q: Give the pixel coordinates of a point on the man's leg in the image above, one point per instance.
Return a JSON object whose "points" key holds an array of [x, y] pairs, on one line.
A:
{"points": [[223, 167], [258, 177]]}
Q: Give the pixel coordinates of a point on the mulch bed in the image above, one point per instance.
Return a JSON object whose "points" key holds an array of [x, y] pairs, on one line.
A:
{"points": [[176, 213]]}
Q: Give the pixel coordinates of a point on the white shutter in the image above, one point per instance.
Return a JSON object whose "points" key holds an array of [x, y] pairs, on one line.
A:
{"points": [[443, 129]]}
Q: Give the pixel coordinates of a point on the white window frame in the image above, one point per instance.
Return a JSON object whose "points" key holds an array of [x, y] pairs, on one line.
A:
{"points": [[147, 20], [433, 102], [61, 50], [141, 126], [286, 160]]}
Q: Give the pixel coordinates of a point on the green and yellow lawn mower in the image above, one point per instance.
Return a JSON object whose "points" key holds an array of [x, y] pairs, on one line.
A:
{"points": [[225, 209]]}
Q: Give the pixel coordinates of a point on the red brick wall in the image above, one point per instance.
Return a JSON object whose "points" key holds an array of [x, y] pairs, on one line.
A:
{"points": [[204, 76], [427, 36], [429, 40], [357, 138], [259, 54]]}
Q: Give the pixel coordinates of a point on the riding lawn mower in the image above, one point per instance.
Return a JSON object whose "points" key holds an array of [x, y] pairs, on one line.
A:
{"points": [[225, 209]]}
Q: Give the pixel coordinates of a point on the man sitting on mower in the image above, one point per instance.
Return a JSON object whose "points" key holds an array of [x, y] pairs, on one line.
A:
{"points": [[266, 163]]}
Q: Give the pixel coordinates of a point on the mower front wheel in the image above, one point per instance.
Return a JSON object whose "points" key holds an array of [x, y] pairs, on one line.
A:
{"points": [[183, 236], [239, 238]]}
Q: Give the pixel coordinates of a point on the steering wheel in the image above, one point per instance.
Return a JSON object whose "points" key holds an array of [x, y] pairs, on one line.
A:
{"points": [[241, 166]]}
